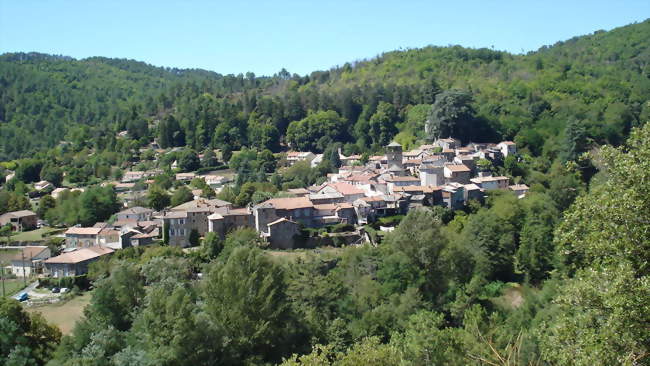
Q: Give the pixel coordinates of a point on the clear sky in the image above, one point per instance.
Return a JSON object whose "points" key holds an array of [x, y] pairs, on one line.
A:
{"points": [[302, 36]]}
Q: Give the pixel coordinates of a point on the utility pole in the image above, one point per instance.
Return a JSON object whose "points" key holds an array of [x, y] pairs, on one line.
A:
{"points": [[22, 256], [2, 269]]}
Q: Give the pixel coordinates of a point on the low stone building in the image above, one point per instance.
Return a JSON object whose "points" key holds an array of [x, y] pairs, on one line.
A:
{"points": [[281, 233], [228, 219], [19, 220], [490, 183], [76, 262], [457, 173], [80, 237], [298, 209]]}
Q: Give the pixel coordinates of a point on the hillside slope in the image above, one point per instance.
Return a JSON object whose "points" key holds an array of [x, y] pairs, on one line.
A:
{"points": [[601, 80]]}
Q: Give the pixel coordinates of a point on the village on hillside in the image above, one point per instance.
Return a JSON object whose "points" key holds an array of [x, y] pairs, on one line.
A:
{"points": [[443, 173]]}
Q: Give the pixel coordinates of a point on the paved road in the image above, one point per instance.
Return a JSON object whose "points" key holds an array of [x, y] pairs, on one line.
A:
{"points": [[27, 289]]}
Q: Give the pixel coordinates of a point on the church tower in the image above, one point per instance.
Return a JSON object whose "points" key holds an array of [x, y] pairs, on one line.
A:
{"points": [[394, 155]]}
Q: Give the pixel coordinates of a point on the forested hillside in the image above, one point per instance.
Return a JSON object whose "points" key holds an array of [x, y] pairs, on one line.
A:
{"points": [[600, 81]]}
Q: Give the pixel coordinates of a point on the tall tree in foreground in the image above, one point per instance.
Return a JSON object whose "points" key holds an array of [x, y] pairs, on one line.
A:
{"points": [[603, 310], [25, 339], [246, 300]]}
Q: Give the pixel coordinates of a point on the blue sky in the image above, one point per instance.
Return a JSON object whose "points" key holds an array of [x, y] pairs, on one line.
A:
{"points": [[302, 36]]}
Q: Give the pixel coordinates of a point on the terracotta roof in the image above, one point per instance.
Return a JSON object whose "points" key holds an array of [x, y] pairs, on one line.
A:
{"points": [[345, 189], [373, 199], [298, 190], [325, 206], [488, 179], [107, 232], [83, 231], [361, 177], [119, 223], [28, 253], [471, 187], [423, 189], [80, 255], [290, 203], [237, 211], [154, 233], [412, 153], [21, 213], [402, 179], [201, 203], [135, 210], [508, 143], [458, 168]]}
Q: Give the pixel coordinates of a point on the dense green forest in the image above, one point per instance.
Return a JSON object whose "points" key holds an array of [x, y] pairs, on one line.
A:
{"points": [[600, 81], [559, 277]]}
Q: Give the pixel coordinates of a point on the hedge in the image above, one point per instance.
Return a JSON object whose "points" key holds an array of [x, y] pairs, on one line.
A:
{"points": [[81, 282]]}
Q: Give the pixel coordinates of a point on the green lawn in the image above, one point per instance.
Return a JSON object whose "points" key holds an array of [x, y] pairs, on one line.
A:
{"points": [[64, 314], [13, 286], [33, 235]]}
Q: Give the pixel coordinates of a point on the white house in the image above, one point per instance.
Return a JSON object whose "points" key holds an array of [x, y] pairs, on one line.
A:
{"points": [[507, 148]]}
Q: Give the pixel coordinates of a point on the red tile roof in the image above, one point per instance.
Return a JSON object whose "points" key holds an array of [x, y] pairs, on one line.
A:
{"points": [[290, 203]]}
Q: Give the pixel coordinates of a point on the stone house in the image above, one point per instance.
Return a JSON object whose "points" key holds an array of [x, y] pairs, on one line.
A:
{"points": [[447, 144], [457, 173], [228, 219], [453, 196], [473, 192], [507, 148], [296, 156], [81, 237], [392, 182], [490, 183], [281, 233], [519, 189], [19, 220], [298, 209], [432, 175], [135, 213], [76, 262]]}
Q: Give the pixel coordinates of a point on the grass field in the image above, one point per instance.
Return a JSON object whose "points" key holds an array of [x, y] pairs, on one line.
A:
{"points": [[13, 286], [65, 314], [33, 235]]}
